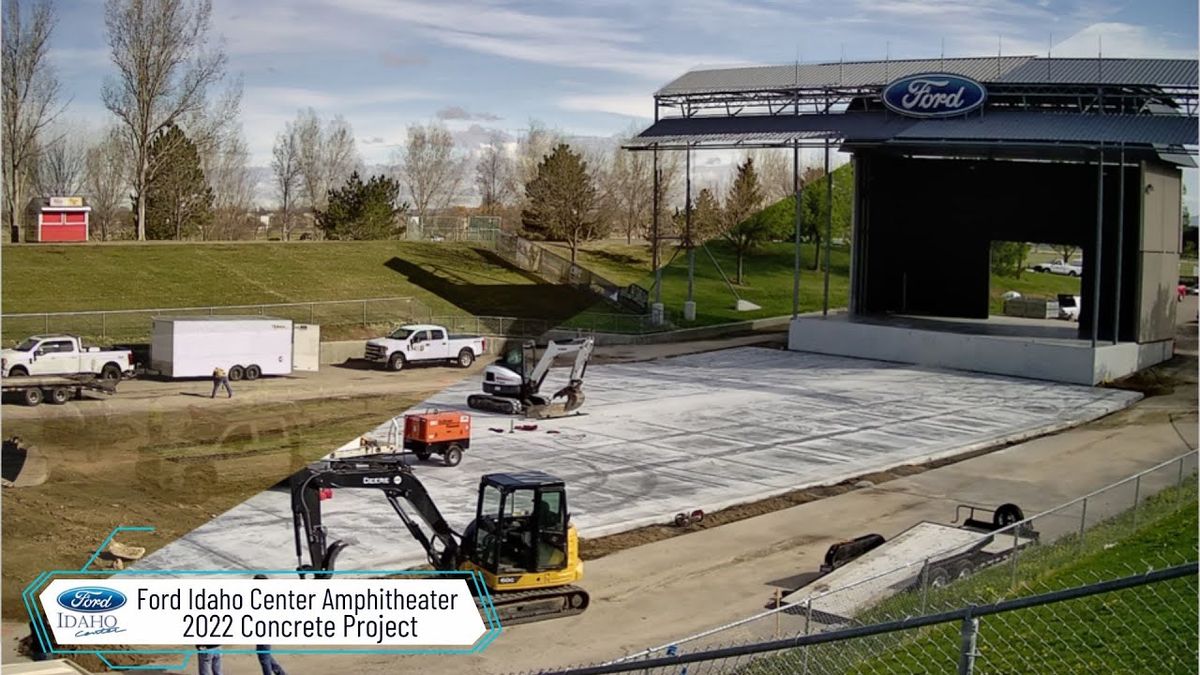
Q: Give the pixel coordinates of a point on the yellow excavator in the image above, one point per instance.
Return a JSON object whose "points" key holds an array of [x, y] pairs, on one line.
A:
{"points": [[521, 542]]}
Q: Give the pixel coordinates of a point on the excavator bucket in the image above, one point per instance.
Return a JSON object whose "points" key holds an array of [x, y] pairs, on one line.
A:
{"points": [[574, 400], [21, 465]]}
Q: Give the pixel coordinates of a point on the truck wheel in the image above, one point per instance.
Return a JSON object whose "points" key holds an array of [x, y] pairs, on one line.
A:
{"points": [[253, 372], [453, 455], [32, 396], [18, 371], [236, 373], [396, 362], [111, 372], [465, 358], [59, 395]]}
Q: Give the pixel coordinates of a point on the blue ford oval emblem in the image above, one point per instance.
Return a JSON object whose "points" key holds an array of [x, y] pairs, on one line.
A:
{"points": [[91, 599], [934, 95]]}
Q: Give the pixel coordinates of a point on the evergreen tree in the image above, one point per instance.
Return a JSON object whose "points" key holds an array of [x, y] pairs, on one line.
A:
{"points": [[562, 200], [360, 210], [179, 201], [746, 228]]}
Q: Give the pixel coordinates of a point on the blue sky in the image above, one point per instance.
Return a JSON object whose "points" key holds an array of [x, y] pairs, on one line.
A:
{"points": [[586, 68]]}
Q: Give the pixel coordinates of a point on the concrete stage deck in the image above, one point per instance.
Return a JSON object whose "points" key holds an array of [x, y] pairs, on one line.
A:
{"points": [[700, 431], [1042, 349]]}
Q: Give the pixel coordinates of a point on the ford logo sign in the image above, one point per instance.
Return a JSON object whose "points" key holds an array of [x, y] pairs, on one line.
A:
{"points": [[934, 95], [91, 599]]}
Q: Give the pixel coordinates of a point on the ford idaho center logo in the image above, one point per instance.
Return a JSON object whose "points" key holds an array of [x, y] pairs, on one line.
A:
{"points": [[91, 599], [934, 95]]}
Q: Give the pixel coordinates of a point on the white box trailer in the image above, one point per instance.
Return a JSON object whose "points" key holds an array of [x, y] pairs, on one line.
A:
{"points": [[246, 347]]}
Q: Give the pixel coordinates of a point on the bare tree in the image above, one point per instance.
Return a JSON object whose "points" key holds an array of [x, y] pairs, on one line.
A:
{"points": [[494, 175], [285, 167], [59, 169], [106, 182], [30, 98], [633, 173], [233, 188], [165, 67], [430, 169], [532, 147], [326, 155]]}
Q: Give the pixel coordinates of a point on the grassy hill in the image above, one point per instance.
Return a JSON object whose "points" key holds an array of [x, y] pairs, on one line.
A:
{"points": [[444, 276]]}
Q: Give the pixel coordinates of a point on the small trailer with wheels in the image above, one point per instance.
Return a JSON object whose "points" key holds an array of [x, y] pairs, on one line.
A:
{"points": [[56, 389], [859, 573], [424, 434]]}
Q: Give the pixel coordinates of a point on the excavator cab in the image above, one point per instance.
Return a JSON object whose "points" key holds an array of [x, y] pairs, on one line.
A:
{"points": [[522, 536]]}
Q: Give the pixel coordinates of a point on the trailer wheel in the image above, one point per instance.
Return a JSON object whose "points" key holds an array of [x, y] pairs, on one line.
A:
{"points": [[236, 373], [60, 395], [1006, 515], [453, 455], [253, 372], [939, 577], [421, 454], [396, 362], [111, 372], [465, 358], [963, 569], [32, 396]]}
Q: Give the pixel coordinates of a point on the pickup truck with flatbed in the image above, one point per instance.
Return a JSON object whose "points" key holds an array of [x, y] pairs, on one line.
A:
{"points": [[64, 355], [417, 343]]}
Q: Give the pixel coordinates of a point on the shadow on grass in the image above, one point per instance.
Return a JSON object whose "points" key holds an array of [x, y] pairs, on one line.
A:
{"points": [[550, 302]]}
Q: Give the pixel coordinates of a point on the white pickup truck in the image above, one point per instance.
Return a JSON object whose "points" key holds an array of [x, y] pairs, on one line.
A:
{"points": [[64, 355], [1059, 267], [424, 342]]}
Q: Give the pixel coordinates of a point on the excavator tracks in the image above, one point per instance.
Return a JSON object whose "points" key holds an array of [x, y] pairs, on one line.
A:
{"points": [[495, 404], [518, 607]]}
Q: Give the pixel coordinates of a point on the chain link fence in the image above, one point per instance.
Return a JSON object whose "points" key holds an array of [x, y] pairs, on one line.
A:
{"points": [[1011, 562], [135, 324], [476, 229], [1133, 621]]}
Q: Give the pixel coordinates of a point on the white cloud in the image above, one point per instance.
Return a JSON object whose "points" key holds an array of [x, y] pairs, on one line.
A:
{"points": [[639, 106], [567, 41], [1122, 40]]}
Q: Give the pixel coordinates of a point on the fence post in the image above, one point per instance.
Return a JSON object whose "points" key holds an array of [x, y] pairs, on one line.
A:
{"points": [[103, 325], [1179, 483], [1015, 551], [924, 585], [1082, 522], [47, 318], [364, 313], [778, 602], [807, 621], [970, 635], [1137, 492], [311, 312]]}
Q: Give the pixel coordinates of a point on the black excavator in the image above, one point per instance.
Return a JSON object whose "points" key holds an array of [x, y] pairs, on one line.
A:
{"points": [[521, 542]]}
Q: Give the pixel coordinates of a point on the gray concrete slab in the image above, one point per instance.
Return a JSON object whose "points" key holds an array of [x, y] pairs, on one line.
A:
{"points": [[699, 431]]}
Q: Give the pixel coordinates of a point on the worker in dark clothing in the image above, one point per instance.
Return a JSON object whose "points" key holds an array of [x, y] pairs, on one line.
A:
{"points": [[208, 658], [269, 665], [220, 379]]}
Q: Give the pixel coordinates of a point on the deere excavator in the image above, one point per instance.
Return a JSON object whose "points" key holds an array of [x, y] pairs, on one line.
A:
{"points": [[521, 542], [512, 387]]}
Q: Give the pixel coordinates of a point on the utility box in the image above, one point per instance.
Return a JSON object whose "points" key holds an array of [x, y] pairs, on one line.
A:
{"points": [[245, 347]]}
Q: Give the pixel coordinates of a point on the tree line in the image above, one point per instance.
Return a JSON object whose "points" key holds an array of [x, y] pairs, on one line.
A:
{"points": [[172, 163]]}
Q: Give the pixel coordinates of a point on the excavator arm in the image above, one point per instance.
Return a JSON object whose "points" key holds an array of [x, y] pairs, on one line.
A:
{"points": [[396, 481], [583, 353]]}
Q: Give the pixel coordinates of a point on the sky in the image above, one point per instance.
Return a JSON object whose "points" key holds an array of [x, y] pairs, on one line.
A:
{"points": [[586, 68]]}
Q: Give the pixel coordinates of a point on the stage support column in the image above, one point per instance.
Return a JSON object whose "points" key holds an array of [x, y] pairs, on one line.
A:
{"points": [[828, 227], [1116, 336], [1099, 242], [689, 307], [656, 308], [796, 192]]}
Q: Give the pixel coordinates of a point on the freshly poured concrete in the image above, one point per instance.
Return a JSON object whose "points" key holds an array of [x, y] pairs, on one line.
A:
{"points": [[700, 431]]}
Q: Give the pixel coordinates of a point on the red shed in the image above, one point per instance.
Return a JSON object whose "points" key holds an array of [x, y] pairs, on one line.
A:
{"points": [[55, 219]]}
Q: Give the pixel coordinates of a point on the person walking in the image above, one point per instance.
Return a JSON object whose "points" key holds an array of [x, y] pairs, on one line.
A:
{"points": [[220, 379], [209, 659], [269, 665]]}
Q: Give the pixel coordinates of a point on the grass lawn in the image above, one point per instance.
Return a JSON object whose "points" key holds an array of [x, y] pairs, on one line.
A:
{"points": [[444, 278], [1032, 285], [616, 261], [1150, 629]]}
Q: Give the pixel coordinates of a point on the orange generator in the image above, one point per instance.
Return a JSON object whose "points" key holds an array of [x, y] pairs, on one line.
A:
{"points": [[438, 433]]}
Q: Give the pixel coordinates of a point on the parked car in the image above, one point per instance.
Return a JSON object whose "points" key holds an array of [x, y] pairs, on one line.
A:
{"points": [[1068, 307], [1059, 267], [424, 342], [64, 355]]}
